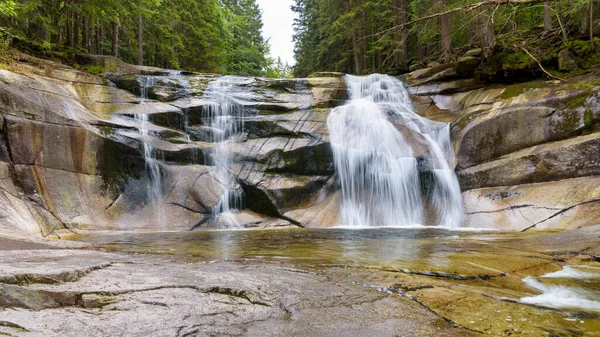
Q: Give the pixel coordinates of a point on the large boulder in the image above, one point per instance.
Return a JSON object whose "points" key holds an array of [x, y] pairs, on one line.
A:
{"points": [[571, 158], [564, 204], [566, 61], [528, 154]]}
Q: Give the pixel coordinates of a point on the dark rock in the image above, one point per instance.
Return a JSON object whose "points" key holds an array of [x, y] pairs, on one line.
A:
{"points": [[566, 61], [467, 65]]}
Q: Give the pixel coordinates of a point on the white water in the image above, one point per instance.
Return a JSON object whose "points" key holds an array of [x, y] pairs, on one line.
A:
{"points": [[572, 273], [224, 115], [563, 297], [376, 164], [154, 188]]}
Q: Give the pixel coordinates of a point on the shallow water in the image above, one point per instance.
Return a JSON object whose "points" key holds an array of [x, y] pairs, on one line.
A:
{"points": [[372, 247], [505, 267]]}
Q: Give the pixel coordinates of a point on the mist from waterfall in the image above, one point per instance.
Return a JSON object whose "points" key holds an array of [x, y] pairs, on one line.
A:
{"points": [[380, 145], [154, 187], [223, 114]]}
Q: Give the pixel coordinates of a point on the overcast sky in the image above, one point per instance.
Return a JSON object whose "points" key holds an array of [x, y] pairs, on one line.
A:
{"points": [[277, 27]]}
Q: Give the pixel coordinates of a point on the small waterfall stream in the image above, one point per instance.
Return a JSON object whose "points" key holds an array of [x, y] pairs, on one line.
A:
{"points": [[223, 115], [154, 189], [377, 140]]}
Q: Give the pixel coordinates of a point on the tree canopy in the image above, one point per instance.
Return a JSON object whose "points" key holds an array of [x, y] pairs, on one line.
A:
{"points": [[204, 35], [365, 36]]}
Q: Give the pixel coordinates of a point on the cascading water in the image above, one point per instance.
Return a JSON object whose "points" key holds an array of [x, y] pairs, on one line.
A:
{"points": [[376, 140], [224, 116], [154, 188]]}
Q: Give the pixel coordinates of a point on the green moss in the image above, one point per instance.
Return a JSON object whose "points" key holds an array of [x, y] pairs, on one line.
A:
{"points": [[111, 65], [577, 101], [588, 118], [94, 70], [516, 61], [518, 89]]}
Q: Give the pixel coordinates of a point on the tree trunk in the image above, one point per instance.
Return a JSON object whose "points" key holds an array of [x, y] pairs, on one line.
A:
{"points": [[140, 41], [85, 39], [76, 24], [357, 64], [592, 25], [90, 42], [59, 38], [446, 33], [402, 18], [70, 30], [99, 40], [115, 39], [487, 37], [547, 16]]}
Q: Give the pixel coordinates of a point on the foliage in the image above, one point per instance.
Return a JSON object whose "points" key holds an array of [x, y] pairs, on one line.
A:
{"points": [[5, 41], [247, 48], [203, 35], [277, 69], [94, 70], [364, 36]]}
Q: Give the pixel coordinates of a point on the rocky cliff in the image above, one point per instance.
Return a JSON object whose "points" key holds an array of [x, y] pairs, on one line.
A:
{"points": [[72, 148], [528, 155]]}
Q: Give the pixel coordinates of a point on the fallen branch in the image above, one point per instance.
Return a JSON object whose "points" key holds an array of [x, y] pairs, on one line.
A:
{"points": [[540, 65]]}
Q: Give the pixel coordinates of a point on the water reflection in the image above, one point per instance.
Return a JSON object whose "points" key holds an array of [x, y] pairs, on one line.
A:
{"points": [[395, 248]]}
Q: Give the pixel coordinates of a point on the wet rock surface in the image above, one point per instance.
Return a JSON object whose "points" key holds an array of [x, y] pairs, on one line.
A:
{"points": [[466, 285], [525, 142], [114, 294], [72, 148], [63, 128]]}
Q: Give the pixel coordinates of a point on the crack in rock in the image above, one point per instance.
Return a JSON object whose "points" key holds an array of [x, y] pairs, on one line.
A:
{"points": [[57, 278], [445, 275]]}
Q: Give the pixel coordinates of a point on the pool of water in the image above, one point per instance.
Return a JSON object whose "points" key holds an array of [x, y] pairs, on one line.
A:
{"points": [[517, 266], [375, 247]]}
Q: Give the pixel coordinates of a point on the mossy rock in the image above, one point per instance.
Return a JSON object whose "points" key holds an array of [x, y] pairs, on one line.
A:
{"points": [[326, 74]]}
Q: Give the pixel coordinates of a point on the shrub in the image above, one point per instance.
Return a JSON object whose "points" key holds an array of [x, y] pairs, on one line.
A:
{"points": [[5, 41]]}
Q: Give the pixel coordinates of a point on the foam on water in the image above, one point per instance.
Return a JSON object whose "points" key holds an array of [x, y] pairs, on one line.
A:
{"points": [[561, 296], [572, 273], [379, 166]]}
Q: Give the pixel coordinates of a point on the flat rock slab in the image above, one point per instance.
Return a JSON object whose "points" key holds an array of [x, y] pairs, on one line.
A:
{"points": [[110, 294]]}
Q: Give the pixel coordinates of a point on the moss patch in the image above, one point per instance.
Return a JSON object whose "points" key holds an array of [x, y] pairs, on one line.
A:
{"points": [[518, 89], [94, 69], [577, 101]]}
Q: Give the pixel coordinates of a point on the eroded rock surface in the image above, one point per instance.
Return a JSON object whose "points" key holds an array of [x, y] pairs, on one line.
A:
{"points": [[525, 152], [92, 293], [72, 149]]}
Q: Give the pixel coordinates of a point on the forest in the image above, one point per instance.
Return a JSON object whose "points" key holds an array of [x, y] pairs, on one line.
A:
{"points": [[516, 37], [205, 35], [390, 36]]}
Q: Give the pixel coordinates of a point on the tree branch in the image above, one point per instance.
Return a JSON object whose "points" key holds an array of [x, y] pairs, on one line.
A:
{"points": [[540, 65]]}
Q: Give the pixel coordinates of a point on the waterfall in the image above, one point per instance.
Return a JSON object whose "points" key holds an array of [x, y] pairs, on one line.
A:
{"points": [[380, 145], [223, 114], [154, 188]]}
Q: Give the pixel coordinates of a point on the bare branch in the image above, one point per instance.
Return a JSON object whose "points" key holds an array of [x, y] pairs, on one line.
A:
{"points": [[540, 65]]}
